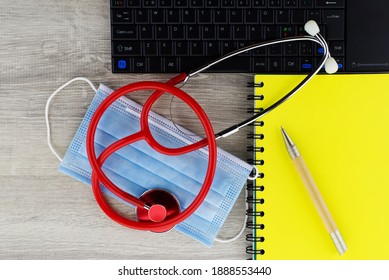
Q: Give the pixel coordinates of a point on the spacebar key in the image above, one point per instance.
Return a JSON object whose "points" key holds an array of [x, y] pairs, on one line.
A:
{"points": [[233, 64]]}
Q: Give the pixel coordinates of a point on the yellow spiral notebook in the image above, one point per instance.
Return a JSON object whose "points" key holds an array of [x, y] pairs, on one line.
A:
{"points": [[340, 124]]}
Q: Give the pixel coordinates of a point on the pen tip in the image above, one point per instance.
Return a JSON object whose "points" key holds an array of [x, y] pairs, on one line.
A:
{"points": [[284, 134], [290, 146]]}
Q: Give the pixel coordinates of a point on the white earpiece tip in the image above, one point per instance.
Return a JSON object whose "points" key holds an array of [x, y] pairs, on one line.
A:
{"points": [[311, 27], [331, 66]]}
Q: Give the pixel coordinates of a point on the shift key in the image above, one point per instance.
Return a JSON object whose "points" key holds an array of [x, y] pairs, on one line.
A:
{"points": [[334, 21], [127, 48]]}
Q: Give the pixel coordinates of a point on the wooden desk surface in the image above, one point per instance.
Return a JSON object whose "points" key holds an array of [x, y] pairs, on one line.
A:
{"points": [[45, 214]]}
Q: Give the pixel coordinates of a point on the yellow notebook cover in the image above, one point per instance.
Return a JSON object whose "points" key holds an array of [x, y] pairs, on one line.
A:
{"points": [[340, 124]]}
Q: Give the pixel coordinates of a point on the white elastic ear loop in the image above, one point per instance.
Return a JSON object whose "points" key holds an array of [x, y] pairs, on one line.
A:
{"points": [[231, 239], [48, 106]]}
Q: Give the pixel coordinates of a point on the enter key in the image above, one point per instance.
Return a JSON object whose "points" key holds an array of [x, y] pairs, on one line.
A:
{"points": [[334, 20]]}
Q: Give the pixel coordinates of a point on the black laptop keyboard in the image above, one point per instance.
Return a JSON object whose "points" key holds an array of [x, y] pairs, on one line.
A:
{"points": [[159, 36]]}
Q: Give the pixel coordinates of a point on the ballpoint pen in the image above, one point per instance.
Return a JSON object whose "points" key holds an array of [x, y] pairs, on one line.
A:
{"points": [[314, 193]]}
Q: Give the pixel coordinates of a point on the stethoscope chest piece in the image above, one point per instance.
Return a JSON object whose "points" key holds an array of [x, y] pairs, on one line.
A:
{"points": [[162, 205]]}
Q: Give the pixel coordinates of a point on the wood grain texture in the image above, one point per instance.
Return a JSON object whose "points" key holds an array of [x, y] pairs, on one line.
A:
{"points": [[45, 214]]}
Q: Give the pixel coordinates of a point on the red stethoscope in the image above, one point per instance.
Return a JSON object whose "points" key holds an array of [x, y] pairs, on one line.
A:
{"points": [[157, 209]]}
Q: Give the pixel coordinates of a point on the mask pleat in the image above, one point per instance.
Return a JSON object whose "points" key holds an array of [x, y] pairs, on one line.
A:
{"points": [[137, 167]]}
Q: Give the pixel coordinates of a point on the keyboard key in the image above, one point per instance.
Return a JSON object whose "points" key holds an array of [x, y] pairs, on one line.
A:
{"points": [[306, 49], [337, 48], [165, 3], [306, 64], [150, 48], [228, 3], [298, 17], [262, 51], [178, 32], [334, 19], [240, 32], [314, 15], [189, 16], [193, 32], [252, 16], [259, 4], [329, 4], [212, 48], [191, 63], [162, 32], [181, 48], [205, 16], [306, 4], [255, 33], [274, 50], [172, 65], [118, 3], [271, 32], [173, 16], [259, 64], [150, 3], [139, 64], [224, 32], [275, 64], [181, 3], [275, 4], [122, 16], [236, 16], [212, 3], [124, 31], [340, 61], [290, 3], [241, 45], [282, 16], [197, 3], [127, 48], [319, 51], [243, 4], [197, 48], [227, 47], [157, 16], [220, 16], [146, 32], [291, 64], [287, 31], [155, 65], [166, 48], [267, 16], [209, 32], [133, 3], [236, 63], [120, 64], [291, 49], [141, 16]]}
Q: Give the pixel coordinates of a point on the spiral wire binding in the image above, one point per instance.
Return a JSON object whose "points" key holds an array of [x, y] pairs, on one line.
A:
{"points": [[254, 187]]}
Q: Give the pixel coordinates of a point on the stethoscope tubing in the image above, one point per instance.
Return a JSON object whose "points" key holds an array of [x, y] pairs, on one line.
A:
{"points": [[235, 128], [98, 176]]}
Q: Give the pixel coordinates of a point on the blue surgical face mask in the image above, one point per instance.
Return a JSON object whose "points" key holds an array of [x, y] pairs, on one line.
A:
{"points": [[138, 168]]}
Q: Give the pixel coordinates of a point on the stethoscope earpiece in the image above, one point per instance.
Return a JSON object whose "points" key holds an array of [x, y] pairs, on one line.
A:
{"points": [[331, 66], [311, 28]]}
